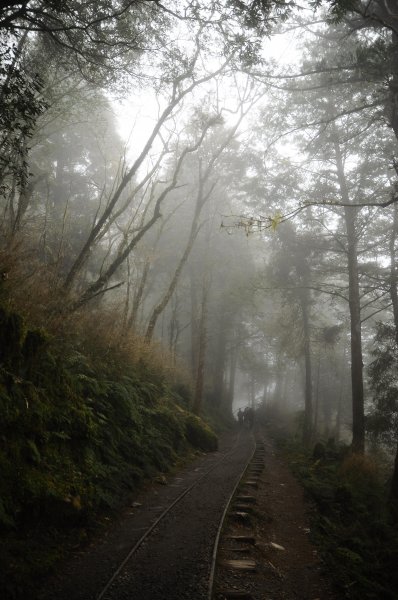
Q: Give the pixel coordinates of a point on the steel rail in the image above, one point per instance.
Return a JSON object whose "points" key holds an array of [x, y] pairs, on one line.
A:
{"points": [[222, 520], [164, 513]]}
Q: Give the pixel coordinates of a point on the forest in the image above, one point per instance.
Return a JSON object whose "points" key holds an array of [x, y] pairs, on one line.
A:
{"points": [[198, 212]]}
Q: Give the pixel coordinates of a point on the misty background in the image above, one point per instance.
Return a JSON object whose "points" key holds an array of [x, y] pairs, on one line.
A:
{"points": [[217, 180]]}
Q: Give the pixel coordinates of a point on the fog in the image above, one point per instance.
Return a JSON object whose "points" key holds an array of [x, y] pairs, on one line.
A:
{"points": [[220, 189]]}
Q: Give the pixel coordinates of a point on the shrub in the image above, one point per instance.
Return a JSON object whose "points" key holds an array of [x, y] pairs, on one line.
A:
{"points": [[351, 525], [360, 471]]}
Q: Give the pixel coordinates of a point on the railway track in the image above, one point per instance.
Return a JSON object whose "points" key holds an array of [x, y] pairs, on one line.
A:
{"points": [[247, 477], [174, 557], [151, 529]]}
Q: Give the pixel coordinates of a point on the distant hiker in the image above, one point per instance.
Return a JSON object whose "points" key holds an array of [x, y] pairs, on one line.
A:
{"points": [[240, 417]]}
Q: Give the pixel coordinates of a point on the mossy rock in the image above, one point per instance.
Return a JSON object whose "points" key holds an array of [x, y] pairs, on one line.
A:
{"points": [[199, 434]]}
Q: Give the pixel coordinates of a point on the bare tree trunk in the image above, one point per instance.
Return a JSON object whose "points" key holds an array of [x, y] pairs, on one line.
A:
{"points": [[174, 328], [316, 415], [124, 319], [232, 377], [265, 394], [358, 414], [307, 429], [392, 98], [220, 359], [285, 387], [194, 324], [137, 297], [280, 373], [337, 427], [252, 392], [350, 213], [394, 299], [393, 270], [200, 373], [22, 206]]}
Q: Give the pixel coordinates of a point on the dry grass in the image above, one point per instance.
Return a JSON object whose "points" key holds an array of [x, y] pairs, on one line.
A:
{"points": [[360, 470], [96, 330]]}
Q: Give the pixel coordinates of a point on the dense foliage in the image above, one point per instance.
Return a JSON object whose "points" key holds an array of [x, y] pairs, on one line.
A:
{"points": [[77, 435], [351, 525]]}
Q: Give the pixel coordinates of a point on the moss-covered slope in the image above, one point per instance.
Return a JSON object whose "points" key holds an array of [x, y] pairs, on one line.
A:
{"points": [[75, 437]]}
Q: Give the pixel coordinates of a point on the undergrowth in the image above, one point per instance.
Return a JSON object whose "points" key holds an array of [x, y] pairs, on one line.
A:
{"points": [[83, 421], [351, 525]]}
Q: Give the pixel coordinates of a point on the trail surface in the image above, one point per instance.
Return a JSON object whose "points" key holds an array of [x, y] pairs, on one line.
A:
{"points": [[174, 561]]}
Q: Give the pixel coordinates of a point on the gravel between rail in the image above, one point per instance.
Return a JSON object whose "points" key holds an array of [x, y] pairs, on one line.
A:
{"points": [[174, 562]]}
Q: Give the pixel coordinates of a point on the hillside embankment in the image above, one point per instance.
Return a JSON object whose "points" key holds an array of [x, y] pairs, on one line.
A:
{"points": [[79, 432]]}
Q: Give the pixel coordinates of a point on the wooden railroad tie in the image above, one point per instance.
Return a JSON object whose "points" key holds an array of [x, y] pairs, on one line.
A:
{"points": [[239, 564], [246, 498], [240, 516]]}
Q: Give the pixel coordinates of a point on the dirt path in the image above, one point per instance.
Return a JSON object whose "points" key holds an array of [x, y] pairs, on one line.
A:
{"points": [[174, 563], [287, 564]]}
